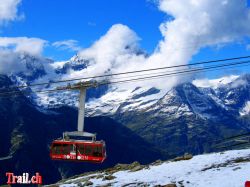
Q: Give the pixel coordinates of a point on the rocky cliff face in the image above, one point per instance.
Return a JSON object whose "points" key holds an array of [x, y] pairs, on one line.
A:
{"points": [[190, 118]]}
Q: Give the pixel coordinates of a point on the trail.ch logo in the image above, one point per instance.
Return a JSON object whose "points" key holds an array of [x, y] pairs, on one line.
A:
{"points": [[23, 179]]}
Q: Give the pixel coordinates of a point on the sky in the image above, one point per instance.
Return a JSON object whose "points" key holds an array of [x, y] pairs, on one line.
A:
{"points": [[195, 30], [85, 21]]}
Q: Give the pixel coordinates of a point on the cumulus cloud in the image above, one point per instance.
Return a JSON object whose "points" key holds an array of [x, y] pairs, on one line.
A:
{"points": [[239, 83], [206, 22], [194, 24], [117, 51], [12, 48], [9, 10], [67, 45], [33, 46], [116, 47], [9, 62]]}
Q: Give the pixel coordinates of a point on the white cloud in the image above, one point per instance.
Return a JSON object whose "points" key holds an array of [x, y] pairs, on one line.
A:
{"points": [[67, 45], [33, 46], [239, 83], [113, 52], [195, 24], [9, 62], [208, 22], [8, 10], [11, 48]]}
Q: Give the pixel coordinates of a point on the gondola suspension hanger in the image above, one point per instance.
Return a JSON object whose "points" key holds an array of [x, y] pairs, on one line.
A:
{"points": [[82, 87]]}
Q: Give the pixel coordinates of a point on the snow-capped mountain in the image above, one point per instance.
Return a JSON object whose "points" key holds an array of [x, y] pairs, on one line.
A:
{"points": [[35, 67], [38, 69], [204, 98], [26, 133], [75, 63], [225, 169], [189, 115], [210, 101]]}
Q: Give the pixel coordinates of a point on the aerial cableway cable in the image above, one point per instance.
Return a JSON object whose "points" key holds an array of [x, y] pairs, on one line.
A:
{"points": [[186, 71], [182, 72], [140, 77], [138, 71]]}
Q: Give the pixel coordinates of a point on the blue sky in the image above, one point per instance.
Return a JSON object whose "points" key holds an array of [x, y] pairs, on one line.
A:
{"points": [[87, 20]]}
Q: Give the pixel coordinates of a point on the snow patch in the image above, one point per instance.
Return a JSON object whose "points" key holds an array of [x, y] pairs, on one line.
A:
{"points": [[246, 109], [59, 64], [214, 83], [216, 169]]}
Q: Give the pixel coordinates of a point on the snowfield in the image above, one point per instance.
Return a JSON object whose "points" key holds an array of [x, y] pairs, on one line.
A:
{"points": [[225, 169]]}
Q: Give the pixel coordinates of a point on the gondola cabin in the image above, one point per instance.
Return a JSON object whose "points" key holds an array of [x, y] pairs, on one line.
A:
{"points": [[78, 150]]}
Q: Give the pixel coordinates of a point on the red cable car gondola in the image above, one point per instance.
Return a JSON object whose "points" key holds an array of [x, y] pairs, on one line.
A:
{"points": [[75, 149], [87, 151]]}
